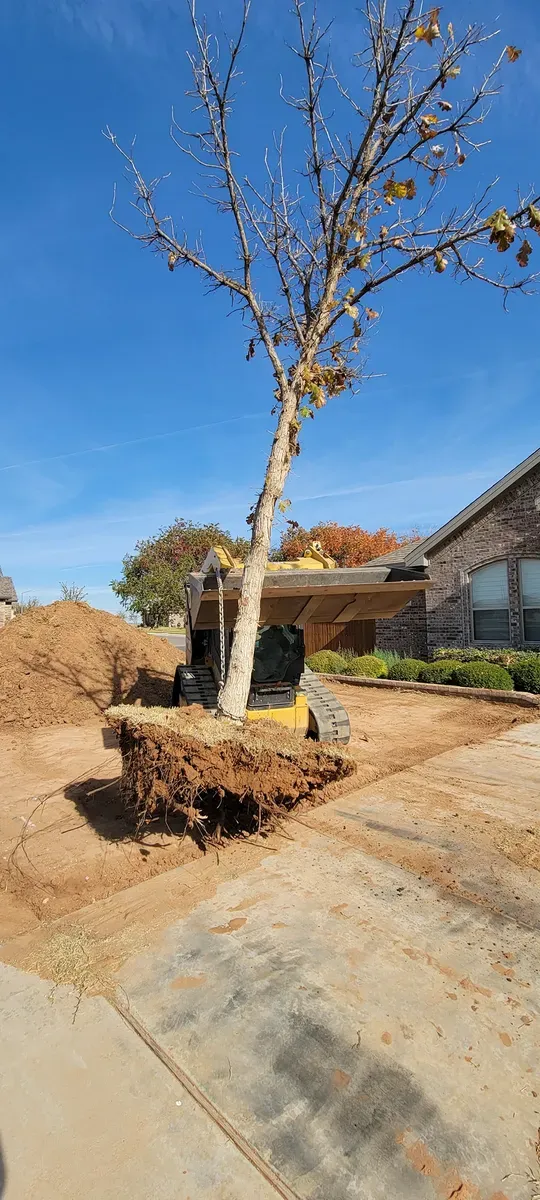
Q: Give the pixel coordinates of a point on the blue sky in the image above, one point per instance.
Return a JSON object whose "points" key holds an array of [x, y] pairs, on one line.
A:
{"points": [[126, 399]]}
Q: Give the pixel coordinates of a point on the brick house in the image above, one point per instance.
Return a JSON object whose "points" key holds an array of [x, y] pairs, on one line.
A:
{"points": [[485, 568], [8, 599]]}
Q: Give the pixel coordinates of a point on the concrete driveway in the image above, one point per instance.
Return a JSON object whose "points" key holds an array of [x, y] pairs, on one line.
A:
{"points": [[176, 639], [357, 1016]]}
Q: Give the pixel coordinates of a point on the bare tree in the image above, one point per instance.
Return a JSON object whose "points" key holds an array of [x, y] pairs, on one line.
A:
{"points": [[23, 606], [72, 591], [366, 207]]}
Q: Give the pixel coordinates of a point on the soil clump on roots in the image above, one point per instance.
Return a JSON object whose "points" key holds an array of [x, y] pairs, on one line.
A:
{"points": [[222, 778]]}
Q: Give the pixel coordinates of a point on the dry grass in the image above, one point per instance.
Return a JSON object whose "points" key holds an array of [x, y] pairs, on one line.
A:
{"points": [[193, 722], [71, 958]]}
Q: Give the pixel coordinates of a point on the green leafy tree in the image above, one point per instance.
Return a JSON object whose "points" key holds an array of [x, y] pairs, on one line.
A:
{"points": [[152, 582]]}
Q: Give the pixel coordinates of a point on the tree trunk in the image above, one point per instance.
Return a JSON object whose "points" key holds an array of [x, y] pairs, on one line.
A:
{"points": [[233, 699]]}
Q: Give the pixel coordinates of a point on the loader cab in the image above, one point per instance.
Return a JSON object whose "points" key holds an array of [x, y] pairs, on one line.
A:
{"points": [[278, 656], [278, 663]]}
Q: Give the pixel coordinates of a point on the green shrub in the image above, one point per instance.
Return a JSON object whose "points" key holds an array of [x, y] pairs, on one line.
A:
{"points": [[438, 672], [526, 674], [502, 657], [369, 665], [406, 669], [483, 675], [387, 656], [327, 662]]}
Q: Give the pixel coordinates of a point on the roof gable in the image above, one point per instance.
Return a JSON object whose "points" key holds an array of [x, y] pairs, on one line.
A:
{"points": [[417, 554]]}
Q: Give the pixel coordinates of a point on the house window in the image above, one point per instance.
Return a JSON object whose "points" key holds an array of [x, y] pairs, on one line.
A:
{"points": [[489, 602], [529, 572]]}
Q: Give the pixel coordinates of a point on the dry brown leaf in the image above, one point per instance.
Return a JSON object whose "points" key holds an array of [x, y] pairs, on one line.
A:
{"points": [[451, 73], [524, 253]]}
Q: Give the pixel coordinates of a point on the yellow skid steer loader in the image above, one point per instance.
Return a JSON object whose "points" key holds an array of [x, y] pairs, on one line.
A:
{"points": [[310, 589]]}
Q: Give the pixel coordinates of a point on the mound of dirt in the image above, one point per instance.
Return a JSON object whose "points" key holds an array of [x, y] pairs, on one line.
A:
{"points": [[66, 663], [221, 777]]}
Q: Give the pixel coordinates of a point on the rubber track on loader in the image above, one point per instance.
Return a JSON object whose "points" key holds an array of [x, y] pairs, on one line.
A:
{"points": [[197, 685], [331, 717]]}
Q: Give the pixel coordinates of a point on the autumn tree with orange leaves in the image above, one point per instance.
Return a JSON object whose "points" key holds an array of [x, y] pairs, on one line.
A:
{"points": [[349, 545]]}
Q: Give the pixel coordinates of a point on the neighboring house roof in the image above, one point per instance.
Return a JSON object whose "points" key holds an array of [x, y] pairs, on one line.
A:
{"points": [[7, 590], [395, 557], [416, 554]]}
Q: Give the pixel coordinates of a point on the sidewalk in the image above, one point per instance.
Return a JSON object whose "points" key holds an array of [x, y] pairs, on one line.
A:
{"points": [[87, 1110], [355, 1017]]}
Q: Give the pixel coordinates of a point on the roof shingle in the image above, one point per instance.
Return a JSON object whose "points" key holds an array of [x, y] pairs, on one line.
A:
{"points": [[7, 590]]}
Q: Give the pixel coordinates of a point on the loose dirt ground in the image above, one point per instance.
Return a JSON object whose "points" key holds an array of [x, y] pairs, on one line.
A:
{"points": [[65, 841], [65, 663]]}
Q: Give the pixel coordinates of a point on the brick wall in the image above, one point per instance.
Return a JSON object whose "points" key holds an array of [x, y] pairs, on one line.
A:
{"points": [[406, 632], [509, 529], [6, 612]]}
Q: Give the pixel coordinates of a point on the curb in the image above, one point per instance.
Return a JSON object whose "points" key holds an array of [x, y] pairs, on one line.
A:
{"points": [[523, 699]]}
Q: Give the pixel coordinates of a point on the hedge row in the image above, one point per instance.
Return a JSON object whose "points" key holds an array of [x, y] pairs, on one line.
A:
{"points": [[328, 662], [522, 665], [503, 658], [521, 673]]}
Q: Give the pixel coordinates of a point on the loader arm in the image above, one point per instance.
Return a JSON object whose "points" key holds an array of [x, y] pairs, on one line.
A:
{"points": [[313, 590]]}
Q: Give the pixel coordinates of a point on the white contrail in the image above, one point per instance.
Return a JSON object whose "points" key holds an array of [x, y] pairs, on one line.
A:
{"points": [[152, 437]]}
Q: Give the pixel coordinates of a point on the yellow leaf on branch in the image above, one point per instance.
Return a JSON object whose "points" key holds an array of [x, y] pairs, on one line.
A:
{"points": [[395, 190], [429, 31], [503, 231], [534, 218]]}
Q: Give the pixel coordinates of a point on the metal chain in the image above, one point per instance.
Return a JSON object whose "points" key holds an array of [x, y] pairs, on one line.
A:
{"points": [[221, 632]]}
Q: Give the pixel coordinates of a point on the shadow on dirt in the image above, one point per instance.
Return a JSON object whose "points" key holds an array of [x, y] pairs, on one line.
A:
{"points": [[109, 738], [100, 805], [151, 689], [112, 677], [99, 802]]}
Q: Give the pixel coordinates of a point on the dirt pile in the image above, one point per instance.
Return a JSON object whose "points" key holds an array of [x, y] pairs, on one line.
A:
{"points": [[66, 663], [222, 778]]}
